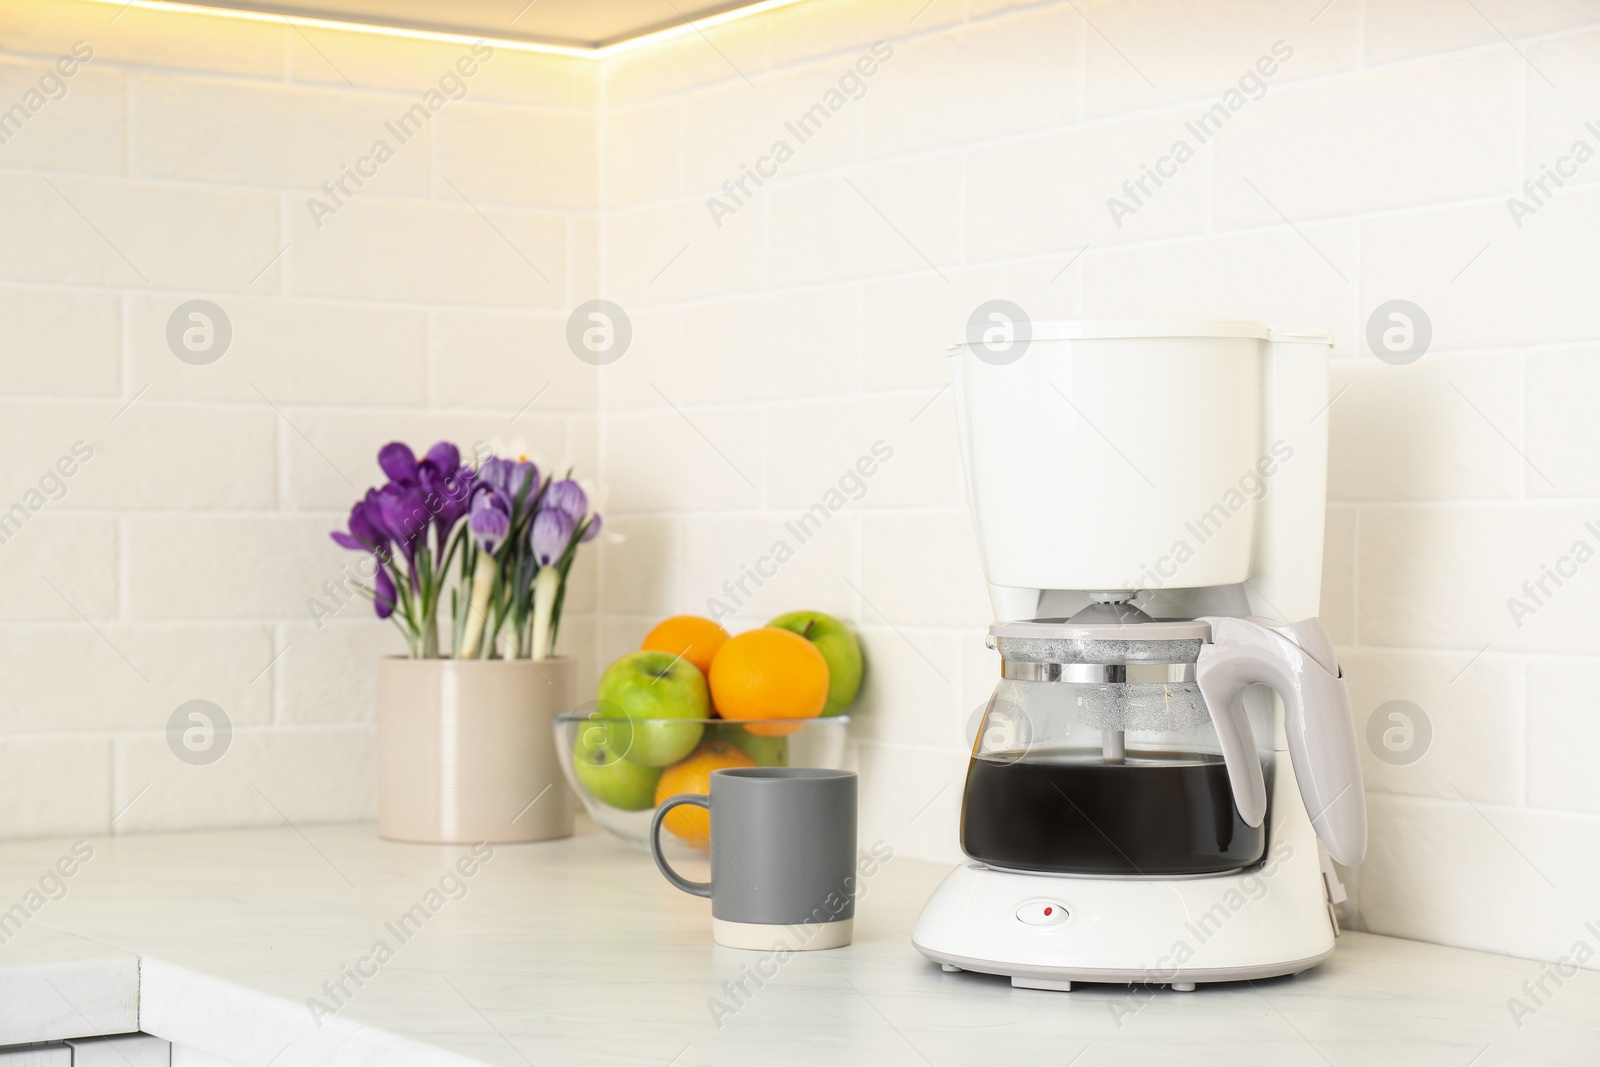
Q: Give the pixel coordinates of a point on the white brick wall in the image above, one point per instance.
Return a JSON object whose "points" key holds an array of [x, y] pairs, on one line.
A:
{"points": [[179, 562], [771, 351]]}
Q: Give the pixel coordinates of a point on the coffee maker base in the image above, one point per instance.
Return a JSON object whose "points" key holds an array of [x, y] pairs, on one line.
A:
{"points": [[1060, 980], [1046, 931]]}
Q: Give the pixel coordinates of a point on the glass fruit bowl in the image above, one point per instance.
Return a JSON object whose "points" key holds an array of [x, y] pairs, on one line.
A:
{"points": [[619, 766]]}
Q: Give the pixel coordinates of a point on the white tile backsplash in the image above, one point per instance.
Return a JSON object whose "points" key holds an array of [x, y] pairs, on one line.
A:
{"points": [[518, 355], [1468, 576], [772, 347], [1304, 274], [287, 776], [651, 169], [1563, 729], [948, 89], [1388, 139], [55, 565], [521, 156], [759, 567], [1483, 281], [222, 131], [128, 234], [325, 670], [1339, 541], [735, 125], [877, 452], [642, 568], [890, 219], [55, 784], [60, 342], [85, 132], [922, 568], [289, 351], [130, 676], [1149, 53], [903, 701], [1433, 867], [1407, 29], [1043, 194], [1562, 434], [228, 566], [1442, 429], [1460, 721], [461, 250], [685, 458], [675, 250]]}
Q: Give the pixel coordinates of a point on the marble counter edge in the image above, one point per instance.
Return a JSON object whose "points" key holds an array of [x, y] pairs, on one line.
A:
{"points": [[243, 1025], [56, 985]]}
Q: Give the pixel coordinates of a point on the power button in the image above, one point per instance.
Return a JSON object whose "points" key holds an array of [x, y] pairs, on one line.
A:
{"points": [[1042, 913]]}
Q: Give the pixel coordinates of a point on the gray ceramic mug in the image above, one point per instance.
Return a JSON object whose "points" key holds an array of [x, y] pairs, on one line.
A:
{"points": [[783, 856]]}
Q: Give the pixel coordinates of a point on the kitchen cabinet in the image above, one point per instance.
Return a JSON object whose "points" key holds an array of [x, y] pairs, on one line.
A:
{"points": [[36, 1056], [119, 1050]]}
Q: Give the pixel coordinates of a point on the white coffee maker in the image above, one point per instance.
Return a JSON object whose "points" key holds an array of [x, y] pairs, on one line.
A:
{"points": [[1168, 759]]}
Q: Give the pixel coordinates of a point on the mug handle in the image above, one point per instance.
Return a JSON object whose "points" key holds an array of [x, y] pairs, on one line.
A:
{"points": [[699, 889]]}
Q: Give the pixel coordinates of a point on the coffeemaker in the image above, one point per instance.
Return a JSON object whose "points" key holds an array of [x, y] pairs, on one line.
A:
{"points": [[1167, 765]]}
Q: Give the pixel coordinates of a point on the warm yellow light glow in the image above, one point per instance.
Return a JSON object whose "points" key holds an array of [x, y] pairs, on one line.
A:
{"points": [[692, 26], [310, 22]]}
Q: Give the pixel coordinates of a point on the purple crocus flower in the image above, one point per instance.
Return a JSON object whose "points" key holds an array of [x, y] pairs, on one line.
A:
{"points": [[436, 491], [383, 594], [494, 473], [552, 531], [369, 520], [345, 540], [444, 456], [568, 497], [398, 461], [593, 529], [402, 515], [509, 476], [367, 534], [490, 520], [447, 492], [364, 536]]}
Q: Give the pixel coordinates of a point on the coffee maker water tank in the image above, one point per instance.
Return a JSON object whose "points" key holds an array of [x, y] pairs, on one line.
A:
{"points": [[1106, 456]]}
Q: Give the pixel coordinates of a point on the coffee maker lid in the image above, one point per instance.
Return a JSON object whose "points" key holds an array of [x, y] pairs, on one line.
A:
{"points": [[1075, 630], [1085, 638]]}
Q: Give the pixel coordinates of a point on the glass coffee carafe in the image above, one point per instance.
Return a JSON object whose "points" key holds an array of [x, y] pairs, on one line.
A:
{"points": [[1097, 755]]}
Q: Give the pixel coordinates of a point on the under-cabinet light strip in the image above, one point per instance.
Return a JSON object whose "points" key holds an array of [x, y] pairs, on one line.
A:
{"points": [[347, 26]]}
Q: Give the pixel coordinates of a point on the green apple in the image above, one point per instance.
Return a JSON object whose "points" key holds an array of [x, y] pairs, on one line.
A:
{"points": [[837, 645], [652, 689], [766, 751], [597, 759]]}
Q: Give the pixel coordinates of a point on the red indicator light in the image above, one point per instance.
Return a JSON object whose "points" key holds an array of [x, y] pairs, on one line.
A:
{"points": [[1048, 911]]}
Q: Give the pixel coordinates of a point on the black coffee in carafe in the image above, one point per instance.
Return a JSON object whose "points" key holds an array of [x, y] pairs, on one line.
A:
{"points": [[1155, 813]]}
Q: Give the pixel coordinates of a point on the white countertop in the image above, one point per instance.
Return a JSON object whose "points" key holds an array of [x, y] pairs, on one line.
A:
{"points": [[578, 952]]}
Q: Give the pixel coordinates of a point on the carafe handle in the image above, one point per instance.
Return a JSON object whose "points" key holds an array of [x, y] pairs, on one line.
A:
{"points": [[1223, 675], [1297, 663]]}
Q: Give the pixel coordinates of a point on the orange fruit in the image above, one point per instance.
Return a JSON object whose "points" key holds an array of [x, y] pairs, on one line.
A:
{"points": [[694, 638], [692, 774], [769, 674]]}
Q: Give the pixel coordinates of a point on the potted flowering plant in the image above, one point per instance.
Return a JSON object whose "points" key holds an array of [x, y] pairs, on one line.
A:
{"points": [[465, 750]]}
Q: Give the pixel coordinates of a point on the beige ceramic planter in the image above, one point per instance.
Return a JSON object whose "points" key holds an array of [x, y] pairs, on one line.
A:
{"points": [[466, 750]]}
